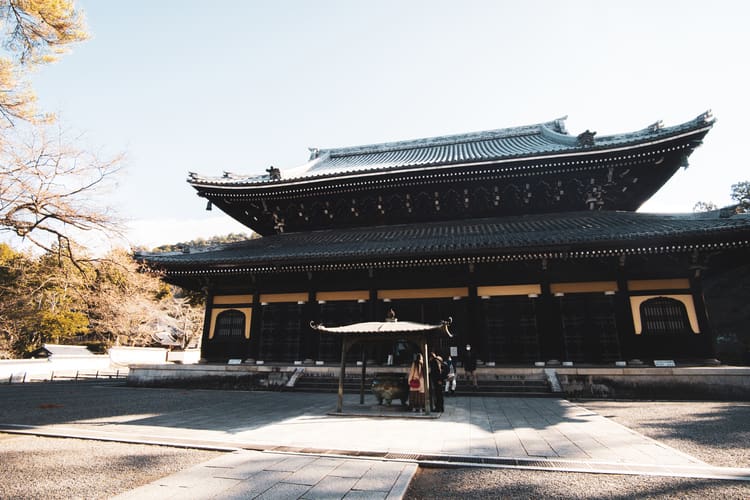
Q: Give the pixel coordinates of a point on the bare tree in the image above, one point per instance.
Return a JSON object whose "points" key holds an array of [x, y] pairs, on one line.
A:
{"points": [[49, 188], [128, 305], [704, 206]]}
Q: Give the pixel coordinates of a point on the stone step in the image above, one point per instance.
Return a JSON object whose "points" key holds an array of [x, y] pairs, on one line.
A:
{"points": [[511, 386]]}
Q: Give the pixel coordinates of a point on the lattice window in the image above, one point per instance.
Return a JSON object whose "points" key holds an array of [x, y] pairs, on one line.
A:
{"points": [[573, 309], [664, 316], [280, 335], [230, 324], [511, 329], [589, 328]]}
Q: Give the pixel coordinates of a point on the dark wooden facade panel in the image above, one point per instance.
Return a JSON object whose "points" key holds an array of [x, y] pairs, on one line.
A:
{"points": [[582, 327]]}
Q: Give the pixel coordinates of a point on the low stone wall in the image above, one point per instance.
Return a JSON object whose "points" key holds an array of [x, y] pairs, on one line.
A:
{"points": [[27, 370], [210, 376], [706, 383], [124, 356]]}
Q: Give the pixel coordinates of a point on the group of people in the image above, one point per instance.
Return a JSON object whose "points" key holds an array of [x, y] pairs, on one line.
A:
{"points": [[442, 378]]}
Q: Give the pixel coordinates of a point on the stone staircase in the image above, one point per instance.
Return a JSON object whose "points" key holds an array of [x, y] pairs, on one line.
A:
{"points": [[525, 385], [497, 385], [309, 382]]}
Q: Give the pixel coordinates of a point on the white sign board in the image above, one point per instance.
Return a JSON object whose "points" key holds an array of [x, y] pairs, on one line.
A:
{"points": [[664, 363]]}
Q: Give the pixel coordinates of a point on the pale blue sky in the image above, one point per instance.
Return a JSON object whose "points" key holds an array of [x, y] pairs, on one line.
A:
{"points": [[181, 85]]}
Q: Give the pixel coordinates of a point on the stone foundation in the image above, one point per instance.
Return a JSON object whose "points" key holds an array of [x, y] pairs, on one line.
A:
{"points": [[706, 383], [714, 383]]}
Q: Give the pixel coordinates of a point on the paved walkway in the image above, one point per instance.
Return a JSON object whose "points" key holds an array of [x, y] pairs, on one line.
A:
{"points": [[286, 445]]}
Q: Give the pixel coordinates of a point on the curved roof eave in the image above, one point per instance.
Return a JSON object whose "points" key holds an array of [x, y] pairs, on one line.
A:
{"points": [[503, 238]]}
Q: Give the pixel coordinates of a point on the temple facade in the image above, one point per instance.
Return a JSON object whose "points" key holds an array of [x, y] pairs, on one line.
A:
{"points": [[527, 237]]}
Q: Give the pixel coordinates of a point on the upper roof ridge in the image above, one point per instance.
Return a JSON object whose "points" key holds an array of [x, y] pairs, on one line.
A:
{"points": [[557, 126]]}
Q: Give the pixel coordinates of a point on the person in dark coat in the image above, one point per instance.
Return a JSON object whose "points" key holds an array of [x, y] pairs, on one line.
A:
{"points": [[437, 379], [470, 366]]}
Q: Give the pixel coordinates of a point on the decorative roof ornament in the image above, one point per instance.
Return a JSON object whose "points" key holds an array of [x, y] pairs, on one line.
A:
{"points": [[278, 223], [656, 126], [559, 124], [684, 161], [314, 153], [586, 138], [706, 117], [274, 173]]}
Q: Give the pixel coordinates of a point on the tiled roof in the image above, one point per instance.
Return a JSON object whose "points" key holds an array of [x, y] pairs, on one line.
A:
{"points": [[518, 235], [492, 145], [67, 350]]}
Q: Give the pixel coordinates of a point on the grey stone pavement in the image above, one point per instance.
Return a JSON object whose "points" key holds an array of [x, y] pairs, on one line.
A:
{"points": [[287, 445]]}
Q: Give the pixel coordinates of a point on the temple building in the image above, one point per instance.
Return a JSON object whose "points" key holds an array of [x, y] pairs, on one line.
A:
{"points": [[527, 237]]}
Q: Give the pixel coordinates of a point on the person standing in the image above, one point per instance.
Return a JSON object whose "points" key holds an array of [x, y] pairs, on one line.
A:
{"points": [[416, 384], [450, 376], [437, 379], [470, 366]]}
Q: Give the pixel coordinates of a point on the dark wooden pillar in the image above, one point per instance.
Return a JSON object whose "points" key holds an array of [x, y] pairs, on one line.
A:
{"points": [[205, 347], [549, 322], [426, 353], [345, 344], [708, 344], [310, 339], [256, 326], [362, 380], [477, 333], [624, 315]]}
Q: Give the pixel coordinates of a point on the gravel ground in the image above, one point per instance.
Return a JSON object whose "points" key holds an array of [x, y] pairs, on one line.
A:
{"points": [[51, 468], [517, 484], [717, 433]]}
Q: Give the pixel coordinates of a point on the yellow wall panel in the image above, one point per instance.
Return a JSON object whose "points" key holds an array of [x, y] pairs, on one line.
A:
{"points": [[347, 295], [423, 293], [673, 284], [584, 287], [233, 299], [272, 298], [503, 290]]}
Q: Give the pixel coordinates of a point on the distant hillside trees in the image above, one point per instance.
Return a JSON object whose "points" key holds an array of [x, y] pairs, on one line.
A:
{"points": [[199, 243], [740, 191]]}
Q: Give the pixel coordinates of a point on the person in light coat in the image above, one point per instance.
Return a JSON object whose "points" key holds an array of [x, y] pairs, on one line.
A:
{"points": [[417, 384]]}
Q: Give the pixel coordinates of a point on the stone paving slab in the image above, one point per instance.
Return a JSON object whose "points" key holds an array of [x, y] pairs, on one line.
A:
{"points": [[518, 427], [286, 445], [254, 474]]}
